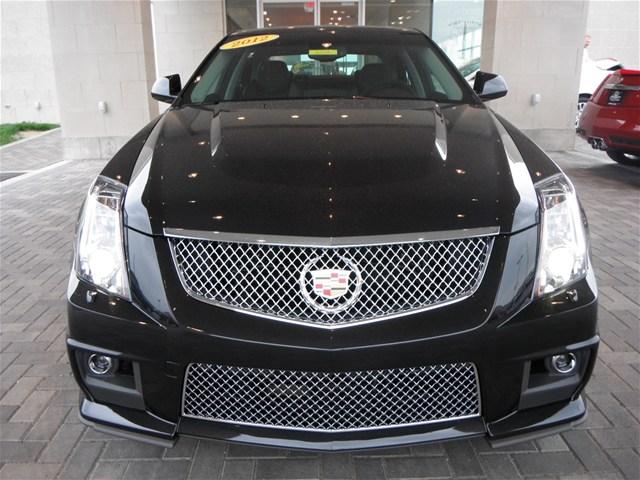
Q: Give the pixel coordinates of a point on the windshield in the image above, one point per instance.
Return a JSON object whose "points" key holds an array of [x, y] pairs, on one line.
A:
{"points": [[319, 63]]}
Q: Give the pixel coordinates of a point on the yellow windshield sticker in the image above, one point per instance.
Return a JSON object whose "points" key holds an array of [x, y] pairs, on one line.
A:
{"points": [[249, 41], [330, 53]]}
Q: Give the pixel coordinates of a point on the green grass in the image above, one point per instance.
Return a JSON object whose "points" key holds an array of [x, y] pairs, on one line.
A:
{"points": [[9, 131]]}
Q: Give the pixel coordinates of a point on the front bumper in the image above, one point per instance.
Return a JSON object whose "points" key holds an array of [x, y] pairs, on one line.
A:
{"points": [[505, 334], [515, 405], [519, 427]]}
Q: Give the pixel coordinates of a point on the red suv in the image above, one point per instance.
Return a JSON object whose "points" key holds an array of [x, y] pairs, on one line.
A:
{"points": [[611, 119]]}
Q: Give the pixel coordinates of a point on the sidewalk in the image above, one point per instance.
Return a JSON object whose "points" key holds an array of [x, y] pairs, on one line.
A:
{"points": [[32, 154], [41, 437]]}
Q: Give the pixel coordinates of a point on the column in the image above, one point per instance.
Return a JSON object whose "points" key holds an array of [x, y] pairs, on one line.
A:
{"points": [[537, 46], [185, 31], [27, 85], [104, 67]]}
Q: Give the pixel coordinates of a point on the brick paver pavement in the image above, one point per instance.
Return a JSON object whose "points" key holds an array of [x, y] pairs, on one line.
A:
{"points": [[32, 154], [41, 436]]}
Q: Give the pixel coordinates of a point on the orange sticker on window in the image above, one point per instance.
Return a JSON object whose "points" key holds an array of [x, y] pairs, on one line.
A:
{"points": [[249, 41]]}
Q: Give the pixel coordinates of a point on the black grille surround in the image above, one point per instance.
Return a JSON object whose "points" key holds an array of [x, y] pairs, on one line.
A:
{"points": [[331, 401], [384, 280]]}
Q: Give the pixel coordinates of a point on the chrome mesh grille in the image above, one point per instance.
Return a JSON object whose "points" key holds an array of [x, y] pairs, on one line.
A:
{"points": [[384, 280], [331, 401]]}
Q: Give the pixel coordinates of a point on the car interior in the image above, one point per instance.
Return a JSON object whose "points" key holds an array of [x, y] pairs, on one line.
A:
{"points": [[270, 74], [272, 79]]}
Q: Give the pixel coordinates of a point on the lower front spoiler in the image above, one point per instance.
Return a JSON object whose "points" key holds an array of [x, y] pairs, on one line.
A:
{"points": [[128, 423], [517, 427]]}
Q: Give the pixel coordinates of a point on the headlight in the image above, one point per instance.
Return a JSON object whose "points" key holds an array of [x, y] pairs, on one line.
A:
{"points": [[562, 258], [100, 258]]}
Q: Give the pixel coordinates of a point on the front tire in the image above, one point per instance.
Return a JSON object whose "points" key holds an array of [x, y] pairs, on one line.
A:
{"points": [[624, 158]]}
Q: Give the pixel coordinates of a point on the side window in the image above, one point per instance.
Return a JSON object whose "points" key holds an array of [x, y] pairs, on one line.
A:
{"points": [[290, 60], [304, 65], [368, 59], [435, 74], [437, 86]]}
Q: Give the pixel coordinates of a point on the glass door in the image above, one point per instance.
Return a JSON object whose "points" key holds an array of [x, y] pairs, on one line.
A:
{"points": [[339, 13], [285, 13]]}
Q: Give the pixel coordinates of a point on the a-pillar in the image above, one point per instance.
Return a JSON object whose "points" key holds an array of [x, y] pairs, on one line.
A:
{"points": [[104, 67], [538, 47]]}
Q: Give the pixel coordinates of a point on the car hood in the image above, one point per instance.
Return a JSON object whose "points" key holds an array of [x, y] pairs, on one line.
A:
{"points": [[329, 169]]}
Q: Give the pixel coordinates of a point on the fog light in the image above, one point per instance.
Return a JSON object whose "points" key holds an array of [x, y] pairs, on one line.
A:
{"points": [[564, 363], [100, 364]]}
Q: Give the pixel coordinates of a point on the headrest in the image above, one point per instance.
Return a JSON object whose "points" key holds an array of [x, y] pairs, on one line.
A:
{"points": [[373, 76], [273, 76]]}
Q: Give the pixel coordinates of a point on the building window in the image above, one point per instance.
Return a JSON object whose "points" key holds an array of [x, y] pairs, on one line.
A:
{"points": [[399, 13], [455, 25], [339, 13], [457, 29], [241, 15], [284, 13]]}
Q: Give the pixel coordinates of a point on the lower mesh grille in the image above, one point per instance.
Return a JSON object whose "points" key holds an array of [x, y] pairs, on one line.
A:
{"points": [[331, 401]]}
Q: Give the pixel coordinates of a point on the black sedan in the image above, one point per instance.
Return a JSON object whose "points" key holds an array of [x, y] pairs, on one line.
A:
{"points": [[329, 242]]}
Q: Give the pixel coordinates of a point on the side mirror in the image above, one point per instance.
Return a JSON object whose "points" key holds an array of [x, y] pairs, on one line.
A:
{"points": [[489, 86], [166, 89]]}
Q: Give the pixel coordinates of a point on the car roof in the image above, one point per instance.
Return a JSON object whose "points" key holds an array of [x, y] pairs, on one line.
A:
{"points": [[360, 32]]}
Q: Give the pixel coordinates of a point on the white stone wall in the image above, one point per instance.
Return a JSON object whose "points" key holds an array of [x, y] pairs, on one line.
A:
{"points": [[185, 31], [102, 52], [614, 26], [70, 55], [537, 46], [26, 66]]}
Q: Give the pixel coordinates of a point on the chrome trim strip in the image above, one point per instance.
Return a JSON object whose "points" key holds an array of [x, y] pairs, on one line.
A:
{"points": [[302, 429], [527, 207], [329, 326], [620, 86], [328, 242], [440, 133]]}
